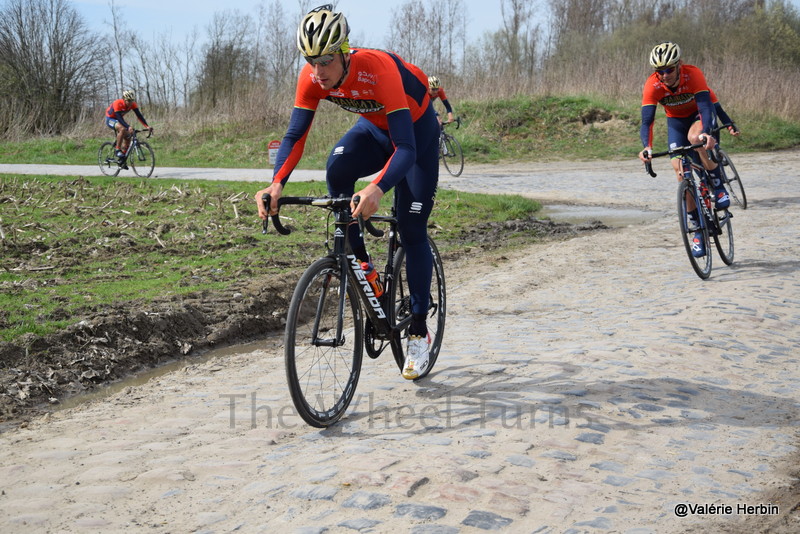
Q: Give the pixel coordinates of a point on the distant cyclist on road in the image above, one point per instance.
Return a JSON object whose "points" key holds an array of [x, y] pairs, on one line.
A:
{"points": [[115, 119], [396, 136], [682, 90], [435, 90]]}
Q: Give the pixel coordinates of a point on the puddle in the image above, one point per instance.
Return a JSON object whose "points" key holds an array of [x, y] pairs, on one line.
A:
{"points": [[142, 378], [613, 217]]}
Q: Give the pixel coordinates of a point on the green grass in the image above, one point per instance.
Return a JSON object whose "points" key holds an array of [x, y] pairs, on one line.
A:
{"points": [[72, 246], [523, 128]]}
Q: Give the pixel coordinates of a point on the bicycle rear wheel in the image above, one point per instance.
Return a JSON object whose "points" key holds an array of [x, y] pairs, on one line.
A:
{"points": [[107, 159], [724, 240], [452, 155], [142, 159], [733, 182], [437, 304], [322, 371], [702, 264]]}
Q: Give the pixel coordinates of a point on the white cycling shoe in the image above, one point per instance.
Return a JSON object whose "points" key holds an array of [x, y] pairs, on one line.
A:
{"points": [[416, 356]]}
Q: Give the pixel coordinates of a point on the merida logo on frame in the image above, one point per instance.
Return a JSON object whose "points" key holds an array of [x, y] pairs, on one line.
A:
{"points": [[355, 265]]}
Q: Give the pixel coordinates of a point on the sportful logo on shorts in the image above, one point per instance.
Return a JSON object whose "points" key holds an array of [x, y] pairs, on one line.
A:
{"points": [[416, 207], [338, 150]]}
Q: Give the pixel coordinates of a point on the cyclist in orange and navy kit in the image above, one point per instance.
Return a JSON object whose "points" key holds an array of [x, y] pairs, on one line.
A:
{"points": [[435, 90], [396, 136], [115, 119], [682, 90]]}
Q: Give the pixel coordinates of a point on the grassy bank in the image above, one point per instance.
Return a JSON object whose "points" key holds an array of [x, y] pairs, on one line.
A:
{"points": [[516, 129], [72, 246]]}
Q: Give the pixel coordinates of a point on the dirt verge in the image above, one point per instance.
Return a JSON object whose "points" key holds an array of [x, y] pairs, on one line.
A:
{"points": [[115, 342]]}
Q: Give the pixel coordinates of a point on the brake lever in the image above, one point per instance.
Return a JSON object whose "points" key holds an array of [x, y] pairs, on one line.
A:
{"points": [[276, 221]]}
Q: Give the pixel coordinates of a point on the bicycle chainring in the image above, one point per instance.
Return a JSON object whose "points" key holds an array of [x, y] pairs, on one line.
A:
{"points": [[373, 345]]}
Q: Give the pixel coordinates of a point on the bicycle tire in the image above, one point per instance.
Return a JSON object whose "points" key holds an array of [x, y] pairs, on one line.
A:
{"points": [[730, 176], [142, 159], [107, 159], [724, 240], [453, 159], [437, 305], [701, 265], [322, 379]]}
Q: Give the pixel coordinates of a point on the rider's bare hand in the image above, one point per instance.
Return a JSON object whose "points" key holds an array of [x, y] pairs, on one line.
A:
{"points": [[274, 191], [370, 201]]}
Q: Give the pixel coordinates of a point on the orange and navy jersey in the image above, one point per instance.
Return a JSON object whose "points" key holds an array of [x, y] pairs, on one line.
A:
{"points": [[381, 87], [378, 83], [680, 102], [119, 108], [690, 97], [434, 94]]}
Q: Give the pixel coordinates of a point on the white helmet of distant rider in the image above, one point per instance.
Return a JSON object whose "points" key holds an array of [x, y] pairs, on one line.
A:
{"points": [[665, 55], [434, 82], [323, 32], [128, 95]]}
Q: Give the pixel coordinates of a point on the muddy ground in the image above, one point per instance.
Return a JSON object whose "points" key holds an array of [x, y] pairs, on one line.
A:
{"points": [[114, 342]]}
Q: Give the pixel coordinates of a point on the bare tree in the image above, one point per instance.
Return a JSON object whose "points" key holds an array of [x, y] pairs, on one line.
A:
{"points": [[120, 46], [48, 62], [227, 59], [278, 53], [430, 35]]}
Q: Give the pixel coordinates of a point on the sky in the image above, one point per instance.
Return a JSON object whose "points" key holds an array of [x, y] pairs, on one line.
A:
{"points": [[367, 18]]}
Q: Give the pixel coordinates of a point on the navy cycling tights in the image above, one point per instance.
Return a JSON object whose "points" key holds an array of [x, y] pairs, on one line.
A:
{"points": [[363, 151]]}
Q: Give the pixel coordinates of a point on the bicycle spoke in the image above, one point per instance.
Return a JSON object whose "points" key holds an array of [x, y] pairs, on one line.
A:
{"points": [[437, 307], [700, 264], [322, 373]]}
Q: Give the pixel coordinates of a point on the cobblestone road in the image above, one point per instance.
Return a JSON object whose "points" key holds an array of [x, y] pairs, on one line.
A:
{"points": [[593, 385]]}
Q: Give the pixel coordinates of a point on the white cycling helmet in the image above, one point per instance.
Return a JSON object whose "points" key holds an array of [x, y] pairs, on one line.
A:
{"points": [[128, 95], [323, 32], [665, 55], [434, 82]]}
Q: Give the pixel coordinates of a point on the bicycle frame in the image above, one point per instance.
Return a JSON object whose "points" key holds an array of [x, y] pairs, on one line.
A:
{"points": [[379, 310], [134, 142], [711, 222], [689, 167], [701, 198]]}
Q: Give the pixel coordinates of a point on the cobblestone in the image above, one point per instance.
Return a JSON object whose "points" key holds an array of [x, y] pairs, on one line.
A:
{"points": [[589, 385]]}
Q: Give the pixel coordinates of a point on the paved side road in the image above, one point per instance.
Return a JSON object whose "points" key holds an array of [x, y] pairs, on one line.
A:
{"points": [[591, 385]]}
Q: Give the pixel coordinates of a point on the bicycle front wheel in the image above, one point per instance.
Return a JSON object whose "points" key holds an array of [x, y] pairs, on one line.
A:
{"points": [[142, 159], [437, 303], [733, 182], [724, 240], [452, 155], [700, 263], [323, 356], [107, 159]]}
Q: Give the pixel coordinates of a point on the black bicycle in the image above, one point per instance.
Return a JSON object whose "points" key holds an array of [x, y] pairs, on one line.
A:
{"points": [[139, 155], [710, 222], [450, 149], [733, 183], [334, 313]]}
